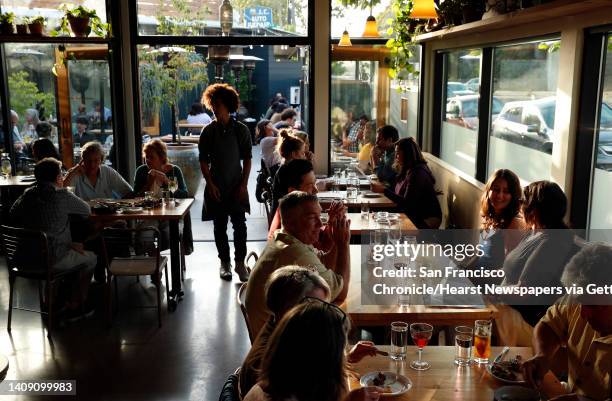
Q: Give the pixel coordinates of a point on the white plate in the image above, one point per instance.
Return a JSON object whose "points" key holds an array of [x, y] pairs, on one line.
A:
{"points": [[371, 195], [132, 210], [394, 384], [518, 380]]}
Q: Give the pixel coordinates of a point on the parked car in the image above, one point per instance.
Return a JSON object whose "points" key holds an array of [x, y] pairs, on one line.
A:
{"points": [[529, 123], [456, 89], [463, 110], [473, 84], [604, 141]]}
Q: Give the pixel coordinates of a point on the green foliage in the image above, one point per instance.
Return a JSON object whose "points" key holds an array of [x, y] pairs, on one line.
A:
{"points": [[451, 11], [190, 19], [242, 86], [24, 94], [402, 30], [362, 4], [99, 28], [36, 20], [7, 18], [338, 69]]}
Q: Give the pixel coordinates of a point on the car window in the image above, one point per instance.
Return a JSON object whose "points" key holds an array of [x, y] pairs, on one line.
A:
{"points": [[513, 114], [605, 120], [497, 106], [548, 113], [470, 108]]}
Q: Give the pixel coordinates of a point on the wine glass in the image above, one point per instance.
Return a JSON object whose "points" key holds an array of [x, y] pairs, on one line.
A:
{"points": [[420, 333], [172, 185]]}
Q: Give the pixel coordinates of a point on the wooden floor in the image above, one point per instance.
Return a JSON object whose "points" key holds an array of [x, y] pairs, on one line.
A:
{"points": [[189, 358]]}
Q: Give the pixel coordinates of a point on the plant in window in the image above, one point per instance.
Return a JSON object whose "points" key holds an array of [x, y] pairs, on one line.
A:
{"points": [[472, 10], [402, 30], [6, 23], [36, 25], [187, 18], [82, 21], [451, 12]]}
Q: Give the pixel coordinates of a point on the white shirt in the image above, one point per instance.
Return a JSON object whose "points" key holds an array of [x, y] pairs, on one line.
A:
{"points": [[268, 151], [202, 118]]}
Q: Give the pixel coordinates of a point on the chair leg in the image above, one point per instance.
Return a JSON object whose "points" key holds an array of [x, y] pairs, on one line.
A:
{"points": [[40, 297], [50, 286], [109, 300], [116, 293], [183, 264], [10, 309], [158, 289], [167, 289]]}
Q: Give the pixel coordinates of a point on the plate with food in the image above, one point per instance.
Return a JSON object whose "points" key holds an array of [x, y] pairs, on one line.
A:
{"points": [[508, 372], [391, 383]]}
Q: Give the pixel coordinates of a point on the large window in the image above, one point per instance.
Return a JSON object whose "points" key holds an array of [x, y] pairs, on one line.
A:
{"points": [[353, 19], [459, 133], [199, 18], [601, 214], [523, 114]]}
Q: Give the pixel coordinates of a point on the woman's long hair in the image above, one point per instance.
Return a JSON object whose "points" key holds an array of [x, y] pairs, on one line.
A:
{"points": [[500, 221], [411, 156], [305, 355], [545, 205]]}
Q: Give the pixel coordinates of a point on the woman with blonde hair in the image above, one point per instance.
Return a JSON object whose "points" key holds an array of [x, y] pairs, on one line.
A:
{"points": [[156, 173], [289, 147]]}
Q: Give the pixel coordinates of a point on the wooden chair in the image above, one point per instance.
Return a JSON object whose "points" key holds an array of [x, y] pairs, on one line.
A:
{"points": [[267, 196], [134, 252], [27, 256], [240, 300]]}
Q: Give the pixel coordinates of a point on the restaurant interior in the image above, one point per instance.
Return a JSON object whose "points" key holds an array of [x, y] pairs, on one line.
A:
{"points": [[479, 92]]}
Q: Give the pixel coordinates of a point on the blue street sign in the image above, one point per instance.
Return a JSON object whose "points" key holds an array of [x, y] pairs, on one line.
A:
{"points": [[258, 17]]}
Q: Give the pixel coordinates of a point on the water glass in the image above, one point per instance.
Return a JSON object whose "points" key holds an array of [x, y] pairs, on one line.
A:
{"points": [[399, 340], [351, 191], [482, 341], [365, 211], [463, 345]]}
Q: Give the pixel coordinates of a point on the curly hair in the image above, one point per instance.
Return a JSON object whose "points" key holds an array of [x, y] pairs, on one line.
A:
{"points": [[500, 221], [223, 93]]}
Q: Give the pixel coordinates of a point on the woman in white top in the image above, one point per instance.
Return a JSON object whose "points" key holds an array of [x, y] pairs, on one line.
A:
{"points": [[305, 358], [197, 115]]}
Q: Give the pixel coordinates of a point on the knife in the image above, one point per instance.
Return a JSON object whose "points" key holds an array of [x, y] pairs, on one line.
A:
{"points": [[502, 354]]}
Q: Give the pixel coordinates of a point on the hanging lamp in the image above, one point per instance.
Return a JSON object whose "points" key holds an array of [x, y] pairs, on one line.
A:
{"points": [[345, 40], [371, 27], [423, 9]]}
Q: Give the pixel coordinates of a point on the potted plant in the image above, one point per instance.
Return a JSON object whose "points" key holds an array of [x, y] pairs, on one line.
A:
{"points": [[451, 12], [6, 23], [82, 22], [22, 27], [36, 25]]}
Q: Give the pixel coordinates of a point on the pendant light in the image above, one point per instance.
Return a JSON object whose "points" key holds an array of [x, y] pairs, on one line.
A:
{"points": [[423, 9], [371, 27], [226, 17], [345, 40]]}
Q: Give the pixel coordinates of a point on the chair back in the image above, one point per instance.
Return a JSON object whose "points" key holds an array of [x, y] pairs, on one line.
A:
{"points": [[267, 197], [27, 251], [240, 300], [127, 243]]}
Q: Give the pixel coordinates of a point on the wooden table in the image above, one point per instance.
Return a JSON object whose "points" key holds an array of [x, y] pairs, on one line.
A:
{"points": [[10, 190], [171, 214], [382, 315], [381, 202], [184, 138], [360, 225], [16, 181], [445, 381]]}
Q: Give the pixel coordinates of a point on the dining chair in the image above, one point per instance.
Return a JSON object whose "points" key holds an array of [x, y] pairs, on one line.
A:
{"points": [[240, 300], [27, 256], [134, 252], [267, 197]]}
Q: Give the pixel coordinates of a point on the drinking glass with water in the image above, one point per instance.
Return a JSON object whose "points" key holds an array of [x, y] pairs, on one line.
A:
{"points": [[399, 340], [463, 345]]}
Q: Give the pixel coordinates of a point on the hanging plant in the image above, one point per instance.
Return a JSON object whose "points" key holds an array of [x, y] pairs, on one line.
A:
{"points": [[402, 30]]}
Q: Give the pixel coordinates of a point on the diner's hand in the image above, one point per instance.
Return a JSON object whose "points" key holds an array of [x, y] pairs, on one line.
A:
{"points": [[360, 351], [77, 170], [156, 175], [376, 153], [378, 187], [326, 240], [534, 370], [336, 209], [243, 192], [370, 393], [77, 246], [342, 230], [213, 191]]}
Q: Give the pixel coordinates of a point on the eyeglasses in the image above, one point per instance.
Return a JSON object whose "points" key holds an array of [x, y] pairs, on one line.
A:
{"points": [[336, 309]]}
